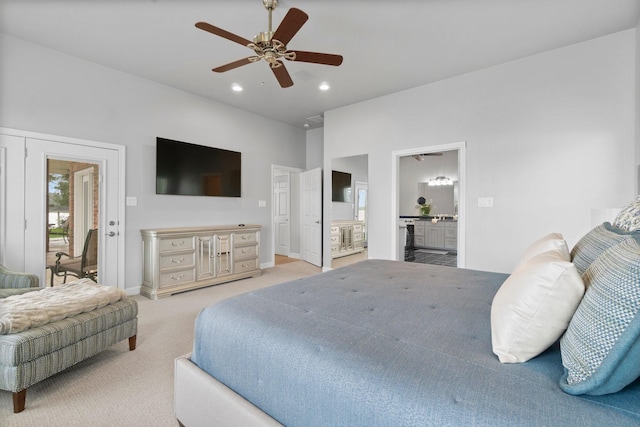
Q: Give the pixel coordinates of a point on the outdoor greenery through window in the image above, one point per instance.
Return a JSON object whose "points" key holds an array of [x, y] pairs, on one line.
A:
{"points": [[58, 204]]}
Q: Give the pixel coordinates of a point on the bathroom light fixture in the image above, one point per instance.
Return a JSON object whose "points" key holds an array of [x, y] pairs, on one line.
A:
{"points": [[440, 180], [236, 87], [324, 86]]}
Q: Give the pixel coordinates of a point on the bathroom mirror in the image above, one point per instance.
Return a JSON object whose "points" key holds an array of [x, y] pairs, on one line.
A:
{"points": [[444, 198]]}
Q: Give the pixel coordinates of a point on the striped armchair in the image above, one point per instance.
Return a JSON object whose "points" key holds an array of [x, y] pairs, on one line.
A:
{"points": [[13, 283]]}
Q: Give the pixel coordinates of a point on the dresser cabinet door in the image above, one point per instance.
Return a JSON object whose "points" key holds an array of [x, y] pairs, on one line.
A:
{"points": [[222, 254], [205, 255]]}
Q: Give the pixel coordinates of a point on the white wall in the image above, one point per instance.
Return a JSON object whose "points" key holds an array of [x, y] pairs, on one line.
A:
{"points": [[45, 91], [637, 110], [549, 137], [315, 148]]}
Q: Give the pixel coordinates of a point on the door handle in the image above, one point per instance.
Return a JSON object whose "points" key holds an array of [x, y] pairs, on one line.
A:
{"points": [[110, 234]]}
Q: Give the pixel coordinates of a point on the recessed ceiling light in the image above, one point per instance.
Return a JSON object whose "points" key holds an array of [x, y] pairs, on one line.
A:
{"points": [[236, 87], [324, 86]]}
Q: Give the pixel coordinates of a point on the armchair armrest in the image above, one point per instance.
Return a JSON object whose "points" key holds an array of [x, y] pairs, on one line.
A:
{"points": [[14, 280], [59, 255]]}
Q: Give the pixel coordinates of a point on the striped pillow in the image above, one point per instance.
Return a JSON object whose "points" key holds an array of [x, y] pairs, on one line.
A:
{"points": [[601, 348], [595, 242]]}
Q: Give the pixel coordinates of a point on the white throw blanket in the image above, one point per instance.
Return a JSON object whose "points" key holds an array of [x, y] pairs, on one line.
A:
{"points": [[21, 312]]}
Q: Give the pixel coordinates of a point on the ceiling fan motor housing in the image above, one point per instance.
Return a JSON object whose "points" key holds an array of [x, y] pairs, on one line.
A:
{"points": [[263, 38]]}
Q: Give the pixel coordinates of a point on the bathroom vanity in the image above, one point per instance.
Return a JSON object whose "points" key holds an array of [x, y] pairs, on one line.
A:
{"points": [[442, 234]]}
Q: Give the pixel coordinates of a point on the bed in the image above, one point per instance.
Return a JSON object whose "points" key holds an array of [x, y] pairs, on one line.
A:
{"points": [[386, 343]]}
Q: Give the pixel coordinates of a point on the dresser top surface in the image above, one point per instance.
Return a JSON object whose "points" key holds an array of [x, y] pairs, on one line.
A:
{"points": [[200, 229]]}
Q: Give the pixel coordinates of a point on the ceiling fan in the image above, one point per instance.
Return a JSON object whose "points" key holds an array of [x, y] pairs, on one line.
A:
{"points": [[272, 46]]}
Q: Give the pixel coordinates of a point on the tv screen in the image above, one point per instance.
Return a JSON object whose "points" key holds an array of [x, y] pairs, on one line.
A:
{"points": [[196, 170], [341, 186]]}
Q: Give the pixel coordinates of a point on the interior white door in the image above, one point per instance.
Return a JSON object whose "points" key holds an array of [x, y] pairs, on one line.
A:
{"points": [[311, 204], [38, 152], [12, 202], [281, 213]]}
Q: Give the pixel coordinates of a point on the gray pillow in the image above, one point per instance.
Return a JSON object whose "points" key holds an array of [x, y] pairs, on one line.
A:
{"points": [[595, 242]]}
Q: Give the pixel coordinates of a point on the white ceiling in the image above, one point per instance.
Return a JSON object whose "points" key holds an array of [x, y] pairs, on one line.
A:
{"points": [[388, 46]]}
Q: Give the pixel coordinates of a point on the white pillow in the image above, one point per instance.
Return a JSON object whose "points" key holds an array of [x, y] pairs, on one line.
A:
{"points": [[533, 307], [553, 241]]}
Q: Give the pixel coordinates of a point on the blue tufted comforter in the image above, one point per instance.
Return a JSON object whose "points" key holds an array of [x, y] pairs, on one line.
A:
{"points": [[385, 343]]}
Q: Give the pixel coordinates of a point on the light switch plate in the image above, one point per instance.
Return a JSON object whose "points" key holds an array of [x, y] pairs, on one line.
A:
{"points": [[262, 203], [132, 201], [485, 202]]}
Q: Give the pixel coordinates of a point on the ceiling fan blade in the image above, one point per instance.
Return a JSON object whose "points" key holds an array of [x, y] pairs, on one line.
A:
{"points": [[318, 58], [232, 65], [222, 33], [290, 25], [282, 75]]}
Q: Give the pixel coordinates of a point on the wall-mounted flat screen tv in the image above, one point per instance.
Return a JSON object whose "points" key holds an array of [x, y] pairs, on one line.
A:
{"points": [[341, 187], [196, 170]]}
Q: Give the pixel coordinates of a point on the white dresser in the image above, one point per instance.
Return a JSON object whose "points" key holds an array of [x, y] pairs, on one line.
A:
{"points": [[180, 259], [347, 238]]}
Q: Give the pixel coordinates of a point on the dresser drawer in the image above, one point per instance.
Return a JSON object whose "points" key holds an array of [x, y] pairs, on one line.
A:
{"points": [[357, 228], [177, 277], [246, 265], [450, 233], [242, 238], [335, 229], [176, 244], [177, 260], [246, 252]]}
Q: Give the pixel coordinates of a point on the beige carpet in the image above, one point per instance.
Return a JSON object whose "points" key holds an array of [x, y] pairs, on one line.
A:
{"points": [[122, 388]]}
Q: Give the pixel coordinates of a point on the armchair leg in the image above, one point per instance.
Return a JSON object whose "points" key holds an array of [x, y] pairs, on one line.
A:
{"points": [[132, 342], [18, 400]]}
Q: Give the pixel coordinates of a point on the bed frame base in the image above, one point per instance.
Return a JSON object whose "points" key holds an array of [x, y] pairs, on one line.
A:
{"points": [[201, 400]]}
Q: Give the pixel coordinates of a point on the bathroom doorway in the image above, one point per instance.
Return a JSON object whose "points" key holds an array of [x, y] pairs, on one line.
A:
{"points": [[406, 195]]}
